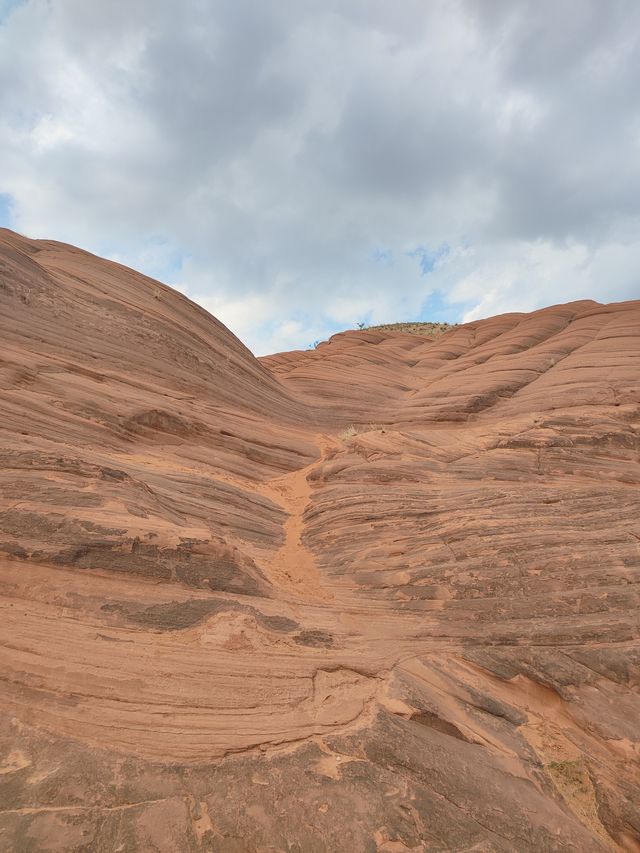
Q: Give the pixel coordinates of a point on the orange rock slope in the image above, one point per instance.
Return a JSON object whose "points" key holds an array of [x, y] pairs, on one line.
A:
{"points": [[377, 596]]}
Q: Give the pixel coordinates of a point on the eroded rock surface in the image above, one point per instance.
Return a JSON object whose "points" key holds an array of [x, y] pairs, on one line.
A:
{"points": [[377, 596]]}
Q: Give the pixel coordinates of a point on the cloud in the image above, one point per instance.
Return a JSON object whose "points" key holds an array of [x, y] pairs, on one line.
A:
{"points": [[522, 276], [298, 167]]}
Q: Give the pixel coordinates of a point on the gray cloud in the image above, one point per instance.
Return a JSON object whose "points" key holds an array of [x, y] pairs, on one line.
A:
{"points": [[283, 161]]}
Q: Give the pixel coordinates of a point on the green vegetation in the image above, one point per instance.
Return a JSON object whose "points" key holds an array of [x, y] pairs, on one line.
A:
{"points": [[429, 330]]}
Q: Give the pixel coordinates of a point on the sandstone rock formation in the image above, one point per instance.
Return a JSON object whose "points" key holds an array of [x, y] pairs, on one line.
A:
{"points": [[377, 596]]}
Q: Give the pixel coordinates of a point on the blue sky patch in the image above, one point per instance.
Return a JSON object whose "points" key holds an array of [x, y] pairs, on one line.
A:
{"points": [[383, 256], [6, 214], [7, 7], [427, 259], [156, 257], [437, 310]]}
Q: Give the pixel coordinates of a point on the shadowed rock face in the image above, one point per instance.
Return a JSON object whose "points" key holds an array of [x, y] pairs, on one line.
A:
{"points": [[377, 596]]}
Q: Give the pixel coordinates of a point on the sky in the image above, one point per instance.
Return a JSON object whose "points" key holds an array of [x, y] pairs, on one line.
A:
{"points": [[299, 167]]}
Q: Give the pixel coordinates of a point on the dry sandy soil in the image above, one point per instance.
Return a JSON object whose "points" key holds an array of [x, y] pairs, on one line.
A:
{"points": [[377, 596]]}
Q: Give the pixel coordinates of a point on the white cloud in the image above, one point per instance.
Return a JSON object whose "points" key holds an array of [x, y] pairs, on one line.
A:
{"points": [[282, 161], [527, 275]]}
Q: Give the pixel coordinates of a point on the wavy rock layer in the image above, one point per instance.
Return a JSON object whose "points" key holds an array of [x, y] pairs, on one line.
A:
{"points": [[377, 596]]}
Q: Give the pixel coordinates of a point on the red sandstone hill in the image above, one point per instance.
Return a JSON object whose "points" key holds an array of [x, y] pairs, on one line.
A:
{"points": [[377, 596]]}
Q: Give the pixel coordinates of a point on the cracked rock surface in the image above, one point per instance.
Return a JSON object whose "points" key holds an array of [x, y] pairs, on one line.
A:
{"points": [[377, 596]]}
